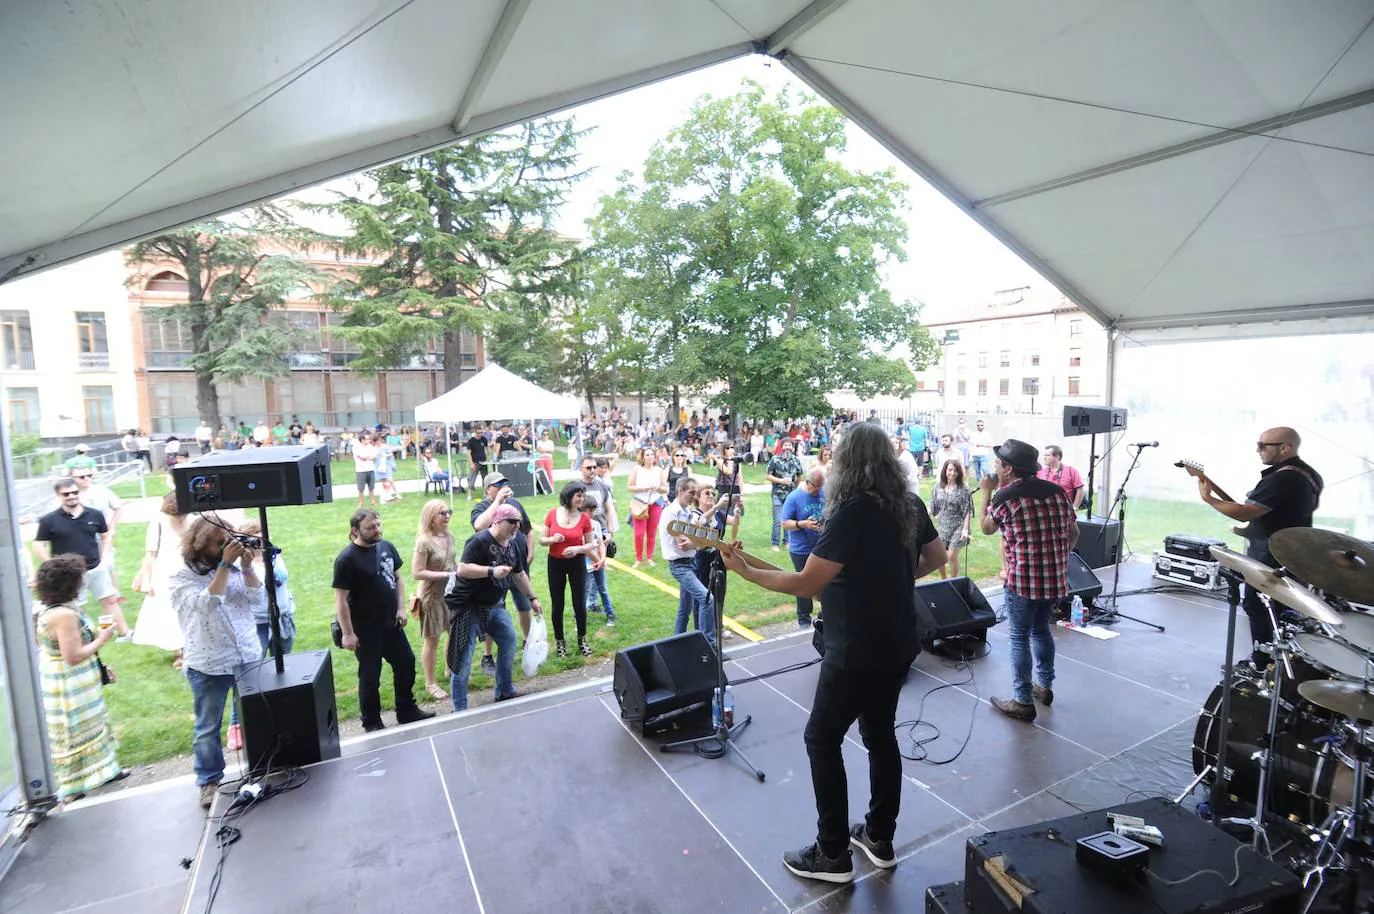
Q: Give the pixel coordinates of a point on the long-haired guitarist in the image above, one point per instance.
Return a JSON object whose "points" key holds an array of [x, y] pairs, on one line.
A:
{"points": [[1286, 496]]}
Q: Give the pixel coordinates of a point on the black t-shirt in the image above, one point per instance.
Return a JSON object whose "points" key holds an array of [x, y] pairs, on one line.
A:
{"points": [[478, 446], [505, 444], [525, 525], [483, 549], [78, 535], [870, 617], [674, 474], [371, 576], [1291, 491]]}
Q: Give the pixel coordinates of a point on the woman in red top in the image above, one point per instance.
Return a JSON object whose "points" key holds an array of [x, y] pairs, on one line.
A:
{"points": [[568, 534]]}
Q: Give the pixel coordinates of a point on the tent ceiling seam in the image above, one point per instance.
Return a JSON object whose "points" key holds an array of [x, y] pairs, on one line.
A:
{"points": [[492, 54], [777, 43]]}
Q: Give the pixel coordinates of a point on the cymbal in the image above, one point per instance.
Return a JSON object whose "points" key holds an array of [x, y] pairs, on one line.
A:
{"points": [[1268, 581], [1333, 562], [1349, 699]]}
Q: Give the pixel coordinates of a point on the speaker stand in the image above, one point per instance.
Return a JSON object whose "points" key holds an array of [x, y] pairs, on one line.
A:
{"points": [[1109, 614], [724, 737]]}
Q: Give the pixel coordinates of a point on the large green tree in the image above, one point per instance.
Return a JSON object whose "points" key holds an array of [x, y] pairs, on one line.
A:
{"points": [[461, 239], [752, 259], [236, 275]]}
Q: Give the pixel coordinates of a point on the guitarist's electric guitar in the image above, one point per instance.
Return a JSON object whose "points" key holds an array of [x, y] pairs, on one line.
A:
{"points": [[1195, 470], [704, 537]]}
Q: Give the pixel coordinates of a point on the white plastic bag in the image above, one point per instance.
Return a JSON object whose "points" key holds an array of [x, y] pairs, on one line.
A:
{"points": [[536, 647]]}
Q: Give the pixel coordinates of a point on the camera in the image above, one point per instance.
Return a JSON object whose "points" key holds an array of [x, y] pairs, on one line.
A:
{"points": [[248, 542]]}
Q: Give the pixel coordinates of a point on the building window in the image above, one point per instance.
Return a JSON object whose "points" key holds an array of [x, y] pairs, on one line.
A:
{"points": [[961, 388], [1033, 360], [168, 282], [1004, 360], [1030, 386], [166, 340], [16, 338], [99, 402], [1075, 358], [1073, 387], [23, 410], [93, 345], [920, 385], [940, 386], [1003, 387], [1076, 327], [982, 387], [982, 360]]}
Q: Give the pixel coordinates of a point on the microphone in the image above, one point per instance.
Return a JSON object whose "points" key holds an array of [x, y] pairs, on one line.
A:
{"points": [[1145, 444]]}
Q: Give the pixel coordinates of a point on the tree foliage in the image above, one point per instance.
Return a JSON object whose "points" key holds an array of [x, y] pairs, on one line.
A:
{"points": [[234, 281], [750, 260], [461, 239]]}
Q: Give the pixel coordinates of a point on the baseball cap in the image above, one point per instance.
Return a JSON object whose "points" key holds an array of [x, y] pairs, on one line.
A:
{"points": [[495, 477], [83, 448], [505, 512]]}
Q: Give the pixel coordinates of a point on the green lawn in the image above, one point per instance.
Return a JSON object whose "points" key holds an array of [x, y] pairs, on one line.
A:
{"points": [[151, 703]]}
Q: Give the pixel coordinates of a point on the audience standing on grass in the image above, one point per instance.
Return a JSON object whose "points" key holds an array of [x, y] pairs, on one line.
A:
{"points": [[648, 484], [432, 566], [568, 535], [77, 530], [951, 506]]}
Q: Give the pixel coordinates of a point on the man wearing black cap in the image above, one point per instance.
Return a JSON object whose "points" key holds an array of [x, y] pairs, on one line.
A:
{"points": [[497, 492], [1038, 533]]}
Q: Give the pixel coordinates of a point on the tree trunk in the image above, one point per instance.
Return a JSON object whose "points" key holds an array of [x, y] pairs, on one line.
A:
{"points": [[453, 359], [677, 404], [207, 399]]}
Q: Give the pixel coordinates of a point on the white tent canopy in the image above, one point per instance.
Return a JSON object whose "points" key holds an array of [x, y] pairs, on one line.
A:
{"points": [[1163, 162], [493, 394]]}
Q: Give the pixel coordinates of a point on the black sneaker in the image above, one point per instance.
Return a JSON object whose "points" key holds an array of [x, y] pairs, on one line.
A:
{"points": [[412, 714], [488, 664], [804, 623], [372, 726], [810, 863], [880, 852]]}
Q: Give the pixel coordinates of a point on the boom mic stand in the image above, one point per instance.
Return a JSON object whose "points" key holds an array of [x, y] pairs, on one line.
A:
{"points": [[1108, 614], [724, 734]]}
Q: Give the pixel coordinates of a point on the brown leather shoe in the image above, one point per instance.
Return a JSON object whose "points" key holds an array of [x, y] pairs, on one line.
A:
{"points": [[1044, 696], [1015, 709]]}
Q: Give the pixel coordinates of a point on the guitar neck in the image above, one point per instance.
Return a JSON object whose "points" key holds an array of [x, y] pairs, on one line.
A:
{"points": [[693, 533]]}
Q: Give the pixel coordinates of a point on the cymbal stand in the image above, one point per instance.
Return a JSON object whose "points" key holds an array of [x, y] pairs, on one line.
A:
{"points": [[1343, 826], [1106, 615], [1223, 779], [1266, 754]]}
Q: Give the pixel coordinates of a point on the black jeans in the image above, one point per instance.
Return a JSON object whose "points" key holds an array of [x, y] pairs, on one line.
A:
{"points": [[570, 571], [1261, 626], [374, 646], [804, 605], [842, 696]]}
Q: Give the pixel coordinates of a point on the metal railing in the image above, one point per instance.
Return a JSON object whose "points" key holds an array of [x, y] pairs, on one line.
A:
{"points": [[93, 361]]}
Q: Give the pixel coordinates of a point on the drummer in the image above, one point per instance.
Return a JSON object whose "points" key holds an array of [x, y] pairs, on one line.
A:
{"points": [[1286, 496]]}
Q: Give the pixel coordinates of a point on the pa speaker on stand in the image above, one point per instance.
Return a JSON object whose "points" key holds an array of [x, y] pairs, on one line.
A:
{"points": [[289, 718]]}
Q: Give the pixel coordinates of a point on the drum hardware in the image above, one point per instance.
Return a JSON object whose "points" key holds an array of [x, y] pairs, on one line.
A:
{"points": [[1332, 562], [1273, 584]]}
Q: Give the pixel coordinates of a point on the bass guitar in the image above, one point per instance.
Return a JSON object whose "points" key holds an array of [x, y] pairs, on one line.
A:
{"points": [[1195, 470], [704, 537]]}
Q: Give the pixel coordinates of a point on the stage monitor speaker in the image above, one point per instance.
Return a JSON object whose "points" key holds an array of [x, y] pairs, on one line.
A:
{"points": [[1099, 540], [953, 607], [1093, 420], [289, 718], [520, 474], [657, 682], [1083, 581], [254, 478]]}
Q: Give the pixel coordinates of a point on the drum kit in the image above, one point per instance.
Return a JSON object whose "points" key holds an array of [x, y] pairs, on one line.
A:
{"points": [[1299, 737]]}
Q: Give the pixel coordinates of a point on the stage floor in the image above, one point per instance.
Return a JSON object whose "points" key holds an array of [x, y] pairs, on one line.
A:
{"points": [[552, 803]]}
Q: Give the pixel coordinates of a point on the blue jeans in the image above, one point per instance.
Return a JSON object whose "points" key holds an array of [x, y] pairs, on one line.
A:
{"points": [[596, 584], [209, 693], [779, 535], [978, 466], [265, 635], [1030, 634], [693, 595], [503, 633]]}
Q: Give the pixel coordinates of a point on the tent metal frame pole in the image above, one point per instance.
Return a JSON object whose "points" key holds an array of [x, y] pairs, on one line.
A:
{"points": [[1103, 495]]}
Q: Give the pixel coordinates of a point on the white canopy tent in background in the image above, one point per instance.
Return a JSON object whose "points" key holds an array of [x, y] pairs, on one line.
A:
{"points": [[491, 395], [1165, 163]]}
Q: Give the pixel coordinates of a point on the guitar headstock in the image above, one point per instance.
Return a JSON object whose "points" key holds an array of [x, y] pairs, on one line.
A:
{"points": [[699, 534], [1194, 467]]}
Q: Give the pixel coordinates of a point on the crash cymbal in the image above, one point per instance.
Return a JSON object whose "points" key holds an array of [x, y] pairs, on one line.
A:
{"points": [[1349, 699], [1268, 581], [1329, 561]]}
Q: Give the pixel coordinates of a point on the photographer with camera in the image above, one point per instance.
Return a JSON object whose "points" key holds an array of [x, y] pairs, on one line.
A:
{"points": [[215, 594]]}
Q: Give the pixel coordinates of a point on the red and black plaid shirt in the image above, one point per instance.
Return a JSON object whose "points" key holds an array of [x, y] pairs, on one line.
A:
{"points": [[1038, 525]]}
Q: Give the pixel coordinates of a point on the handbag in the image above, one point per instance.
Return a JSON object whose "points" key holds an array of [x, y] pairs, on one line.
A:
{"points": [[107, 673], [414, 606], [638, 509], [336, 632], [611, 549]]}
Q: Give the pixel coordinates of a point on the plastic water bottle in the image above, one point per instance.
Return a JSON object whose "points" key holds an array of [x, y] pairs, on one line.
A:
{"points": [[729, 709], [715, 709], [1078, 616]]}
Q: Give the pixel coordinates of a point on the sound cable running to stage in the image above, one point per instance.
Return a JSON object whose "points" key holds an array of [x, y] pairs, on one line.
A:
{"points": [[876, 541]]}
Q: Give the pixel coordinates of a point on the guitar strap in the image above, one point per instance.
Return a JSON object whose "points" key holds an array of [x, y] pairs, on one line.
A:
{"points": [[1311, 481]]}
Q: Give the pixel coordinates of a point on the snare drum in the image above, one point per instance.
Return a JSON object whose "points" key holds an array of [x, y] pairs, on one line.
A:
{"points": [[1358, 631], [1329, 658]]}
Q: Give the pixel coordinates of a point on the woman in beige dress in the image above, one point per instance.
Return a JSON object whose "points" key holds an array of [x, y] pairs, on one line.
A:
{"points": [[432, 566]]}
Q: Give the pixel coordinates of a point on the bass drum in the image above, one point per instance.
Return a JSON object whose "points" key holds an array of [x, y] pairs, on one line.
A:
{"points": [[1309, 774]]}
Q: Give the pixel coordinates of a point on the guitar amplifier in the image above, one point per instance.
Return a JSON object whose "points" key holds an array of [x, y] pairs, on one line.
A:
{"points": [[1190, 546]]}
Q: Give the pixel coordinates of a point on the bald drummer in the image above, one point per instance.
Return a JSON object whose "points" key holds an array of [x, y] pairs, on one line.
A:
{"points": [[1286, 496]]}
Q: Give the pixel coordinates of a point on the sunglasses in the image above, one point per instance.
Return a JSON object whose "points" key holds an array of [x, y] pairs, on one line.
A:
{"points": [[511, 520], [445, 513], [85, 476], [72, 494]]}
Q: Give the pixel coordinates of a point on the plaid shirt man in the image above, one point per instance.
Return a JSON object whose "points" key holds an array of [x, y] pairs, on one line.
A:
{"points": [[1038, 529]]}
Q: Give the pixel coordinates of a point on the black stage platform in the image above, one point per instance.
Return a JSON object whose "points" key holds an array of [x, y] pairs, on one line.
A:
{"points": [[551, 803]]}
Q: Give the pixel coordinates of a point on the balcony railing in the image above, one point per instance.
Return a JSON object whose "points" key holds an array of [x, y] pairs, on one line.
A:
{"points": [[93, 361], [18, 361], [168, 358]]}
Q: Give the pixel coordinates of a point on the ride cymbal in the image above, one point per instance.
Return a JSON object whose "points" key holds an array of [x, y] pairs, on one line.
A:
{"points": [[1349, 699], [1332, 562], [1268, 581]]}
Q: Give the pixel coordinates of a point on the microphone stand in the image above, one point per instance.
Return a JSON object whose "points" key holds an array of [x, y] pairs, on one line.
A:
{"points": [[724, 735], [1109, 614]]}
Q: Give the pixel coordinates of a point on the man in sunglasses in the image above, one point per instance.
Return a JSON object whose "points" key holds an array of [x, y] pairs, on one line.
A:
{"points": [[74, 528], [1286, 496]]}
